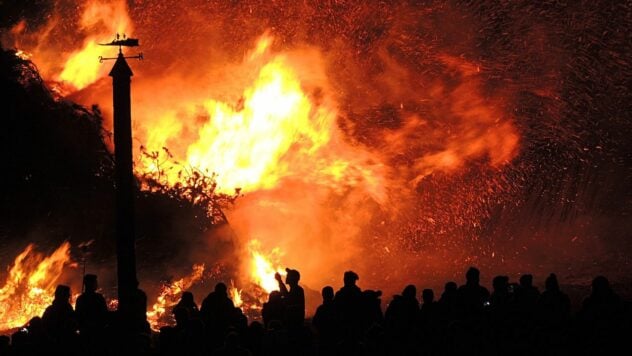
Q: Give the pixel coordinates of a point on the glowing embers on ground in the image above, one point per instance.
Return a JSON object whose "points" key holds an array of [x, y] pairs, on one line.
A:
{"points": [[160, 313], [30, 285]]}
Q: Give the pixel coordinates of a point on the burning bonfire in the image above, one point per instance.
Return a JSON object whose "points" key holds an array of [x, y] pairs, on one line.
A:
{"points": [[276, 127]]}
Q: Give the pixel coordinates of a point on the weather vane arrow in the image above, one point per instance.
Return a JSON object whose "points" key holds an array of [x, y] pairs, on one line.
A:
{"points": [[122, 41]]}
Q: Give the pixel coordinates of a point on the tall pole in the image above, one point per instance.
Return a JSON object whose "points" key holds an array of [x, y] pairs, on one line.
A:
{"points": [[125, 245]]}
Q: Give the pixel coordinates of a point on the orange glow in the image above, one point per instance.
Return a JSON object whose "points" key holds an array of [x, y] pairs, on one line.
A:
{"points": [[235, 295], [101, 19], [169, 296], [276, 124], [256, 143], [30, 285], [263, 267]]}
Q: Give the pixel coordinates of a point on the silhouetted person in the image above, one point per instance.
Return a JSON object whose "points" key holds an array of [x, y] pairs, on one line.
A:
{"points": [[552, 313], [428, 311], [448, 302], [324, 322], [254, 338], [231, 347], [428, 323], [186, 337], [188, 302], [371, 309], [526, 295], [554, 305], [294, 298], [216, 312], [402, 310], [273, 309], [60, 321], [347, 302], [602, 298], [92, 314], [399, 319], [500, 294], [471, 297], [601, 319]]}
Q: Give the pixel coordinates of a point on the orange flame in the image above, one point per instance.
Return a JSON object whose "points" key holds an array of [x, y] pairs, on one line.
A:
{"points": [[274, 132], [235, 295], [30, 285], [101, 19], [263, 268], [169, 296]]}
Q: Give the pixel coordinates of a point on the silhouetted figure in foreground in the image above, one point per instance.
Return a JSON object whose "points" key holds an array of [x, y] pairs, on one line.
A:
{"points": [[601, 319], [527, 295], [347, 302], [448, 302], [429, 310], [554, 306], [216, 312], [553, 317], [273, 309], [231, 347], [60, 321], [371, 309], [294, 298], [324, 322], [399, 319], [402, 311], [471, 297], [92, 313], [188, 302]]}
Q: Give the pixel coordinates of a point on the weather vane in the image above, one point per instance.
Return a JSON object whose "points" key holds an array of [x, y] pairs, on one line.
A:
{"points": [[122, 41]]}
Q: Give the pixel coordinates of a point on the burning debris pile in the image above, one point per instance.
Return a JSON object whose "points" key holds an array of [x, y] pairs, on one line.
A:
{"points": [[331, 135]]}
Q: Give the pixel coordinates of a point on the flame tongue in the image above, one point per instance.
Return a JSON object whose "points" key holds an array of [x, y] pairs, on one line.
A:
{"points": [[30, 285], [169, 296]]}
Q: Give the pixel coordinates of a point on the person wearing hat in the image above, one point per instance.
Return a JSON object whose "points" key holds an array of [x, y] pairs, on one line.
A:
{"points": [[294, 298]]}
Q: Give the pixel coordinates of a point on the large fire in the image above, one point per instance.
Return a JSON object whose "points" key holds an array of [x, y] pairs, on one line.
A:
{"points": [[159, 315], [271, 125], [30, 285]]}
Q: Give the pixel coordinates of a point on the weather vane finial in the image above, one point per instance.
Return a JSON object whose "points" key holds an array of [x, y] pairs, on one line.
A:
{"points": [[121, 41]]}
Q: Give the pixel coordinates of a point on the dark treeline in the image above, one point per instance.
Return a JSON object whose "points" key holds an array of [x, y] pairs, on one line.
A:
{"points": [[512, 319]]}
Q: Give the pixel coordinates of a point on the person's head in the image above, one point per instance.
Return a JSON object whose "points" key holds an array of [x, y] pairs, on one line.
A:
{"points": [[410, 291], [427, 295], [473, 275], [292, 277], [350, 278], [328, 294], [600, 284], [62, 293], [526, 280], [500, 283], [187, 298], [274, 296], [450, 287], [220, 288], [90, 282], [551, 283]]}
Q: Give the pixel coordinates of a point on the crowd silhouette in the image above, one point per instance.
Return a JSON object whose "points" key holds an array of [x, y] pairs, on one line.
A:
{"points": [[514, 319]]}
